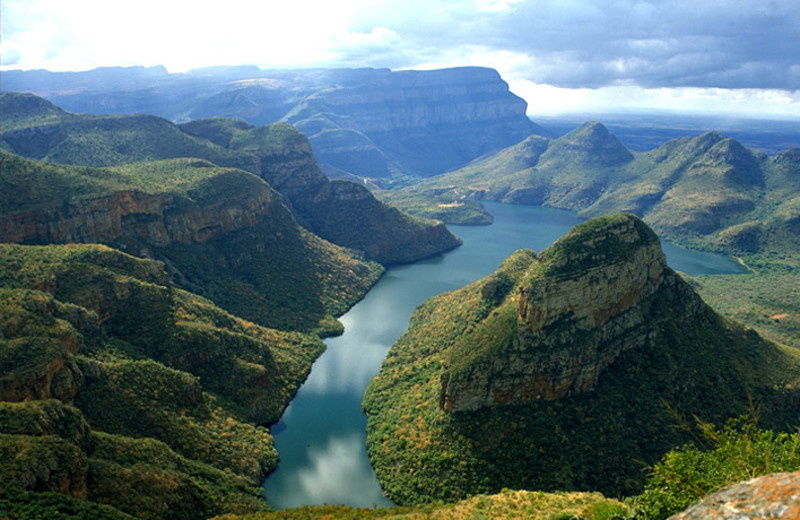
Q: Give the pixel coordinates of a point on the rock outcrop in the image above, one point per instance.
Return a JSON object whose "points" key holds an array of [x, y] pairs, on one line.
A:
{"points": [[42, 335], [567, 369], [771, 496], [157, 218], [582, 303]]}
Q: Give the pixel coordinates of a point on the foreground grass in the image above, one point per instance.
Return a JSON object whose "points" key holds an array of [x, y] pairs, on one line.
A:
{"points": [[507, 504]]}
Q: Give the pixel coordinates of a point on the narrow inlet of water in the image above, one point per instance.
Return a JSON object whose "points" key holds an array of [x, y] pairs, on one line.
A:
{"points": [[321, 437]]}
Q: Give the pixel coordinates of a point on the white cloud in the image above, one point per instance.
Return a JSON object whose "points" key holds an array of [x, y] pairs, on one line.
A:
{"points": [[571, 44], [550, 100], [496, 5]]}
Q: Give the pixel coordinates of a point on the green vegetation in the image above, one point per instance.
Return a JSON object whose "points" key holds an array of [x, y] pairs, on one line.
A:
{"points": [[766, 298], [165, 386], [347, 213], [507, 504], [707, 193], [57, 506], [222, 232], [701, 365], [34, 128], [277, 153], [740, 451]]}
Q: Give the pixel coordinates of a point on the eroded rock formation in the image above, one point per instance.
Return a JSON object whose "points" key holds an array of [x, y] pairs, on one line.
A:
{"points": [[595, 294]]}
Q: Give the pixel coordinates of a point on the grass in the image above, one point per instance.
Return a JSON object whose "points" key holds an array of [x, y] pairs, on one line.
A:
{"points": [[508, 504]]}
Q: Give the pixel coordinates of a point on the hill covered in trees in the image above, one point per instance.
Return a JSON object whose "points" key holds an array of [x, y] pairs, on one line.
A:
{"points": [[565, 369]]}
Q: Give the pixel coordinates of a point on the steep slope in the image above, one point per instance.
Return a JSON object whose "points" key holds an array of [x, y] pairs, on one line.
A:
{"points": [[568, 172], [113, 379], [278, 153], [412, 122], [691, 186], [340, 211], [563, 370], [222, 233]]}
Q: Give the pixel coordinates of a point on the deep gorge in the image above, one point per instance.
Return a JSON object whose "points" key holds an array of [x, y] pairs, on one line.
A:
{"points": [[321, 436]]}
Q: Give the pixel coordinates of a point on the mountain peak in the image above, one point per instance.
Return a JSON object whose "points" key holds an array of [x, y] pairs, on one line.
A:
{"points": [[593, 143], [598, 242], [705, 141], [21, 110], [597, 284]]}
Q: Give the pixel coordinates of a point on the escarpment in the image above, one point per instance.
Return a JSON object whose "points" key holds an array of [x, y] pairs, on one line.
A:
{"points": [[221, 232], [590, 297], [343, 212]]}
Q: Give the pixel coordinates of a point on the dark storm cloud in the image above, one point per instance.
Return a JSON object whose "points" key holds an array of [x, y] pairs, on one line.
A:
{"points": [[592, 43]]}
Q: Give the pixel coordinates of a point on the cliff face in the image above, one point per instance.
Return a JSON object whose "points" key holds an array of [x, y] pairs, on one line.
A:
{"points": [[412, 122], [413, 99], [582, 303], [223, 233], [343, 212], [157, 218], [364, 122], [348, 214], [553, 372]]}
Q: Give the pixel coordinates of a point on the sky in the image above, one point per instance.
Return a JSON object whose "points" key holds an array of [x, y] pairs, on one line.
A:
{"points": [[733, 56]]}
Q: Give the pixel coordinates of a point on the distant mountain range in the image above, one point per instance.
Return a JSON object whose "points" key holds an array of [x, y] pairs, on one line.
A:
{"points": [[708, 190], [373, 123]]}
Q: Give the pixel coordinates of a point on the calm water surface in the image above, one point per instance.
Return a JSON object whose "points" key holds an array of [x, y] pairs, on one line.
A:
{"points": [[321, 437]]}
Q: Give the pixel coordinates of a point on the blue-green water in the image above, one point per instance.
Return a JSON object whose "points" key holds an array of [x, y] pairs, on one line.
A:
{"points": [[321, 437]]}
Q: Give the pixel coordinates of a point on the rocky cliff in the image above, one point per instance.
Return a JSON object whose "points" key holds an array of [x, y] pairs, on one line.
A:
{"points": [[412, 122], [344, 212], [160, 219], [582, 303], [278, 153], [771, 496], [223, 233]]}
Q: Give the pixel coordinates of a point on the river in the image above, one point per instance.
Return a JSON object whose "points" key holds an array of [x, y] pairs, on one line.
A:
{"points": [[321, 437]]}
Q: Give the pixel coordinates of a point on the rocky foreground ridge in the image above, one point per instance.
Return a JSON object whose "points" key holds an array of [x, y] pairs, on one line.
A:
{"points": [[772, 496]]}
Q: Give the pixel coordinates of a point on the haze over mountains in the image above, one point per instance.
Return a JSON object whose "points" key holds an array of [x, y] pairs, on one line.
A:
{"points": [[336, 210], [362, 122]]}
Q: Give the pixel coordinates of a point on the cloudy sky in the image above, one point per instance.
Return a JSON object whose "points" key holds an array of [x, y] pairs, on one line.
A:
{"points": [[741, 56]]}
